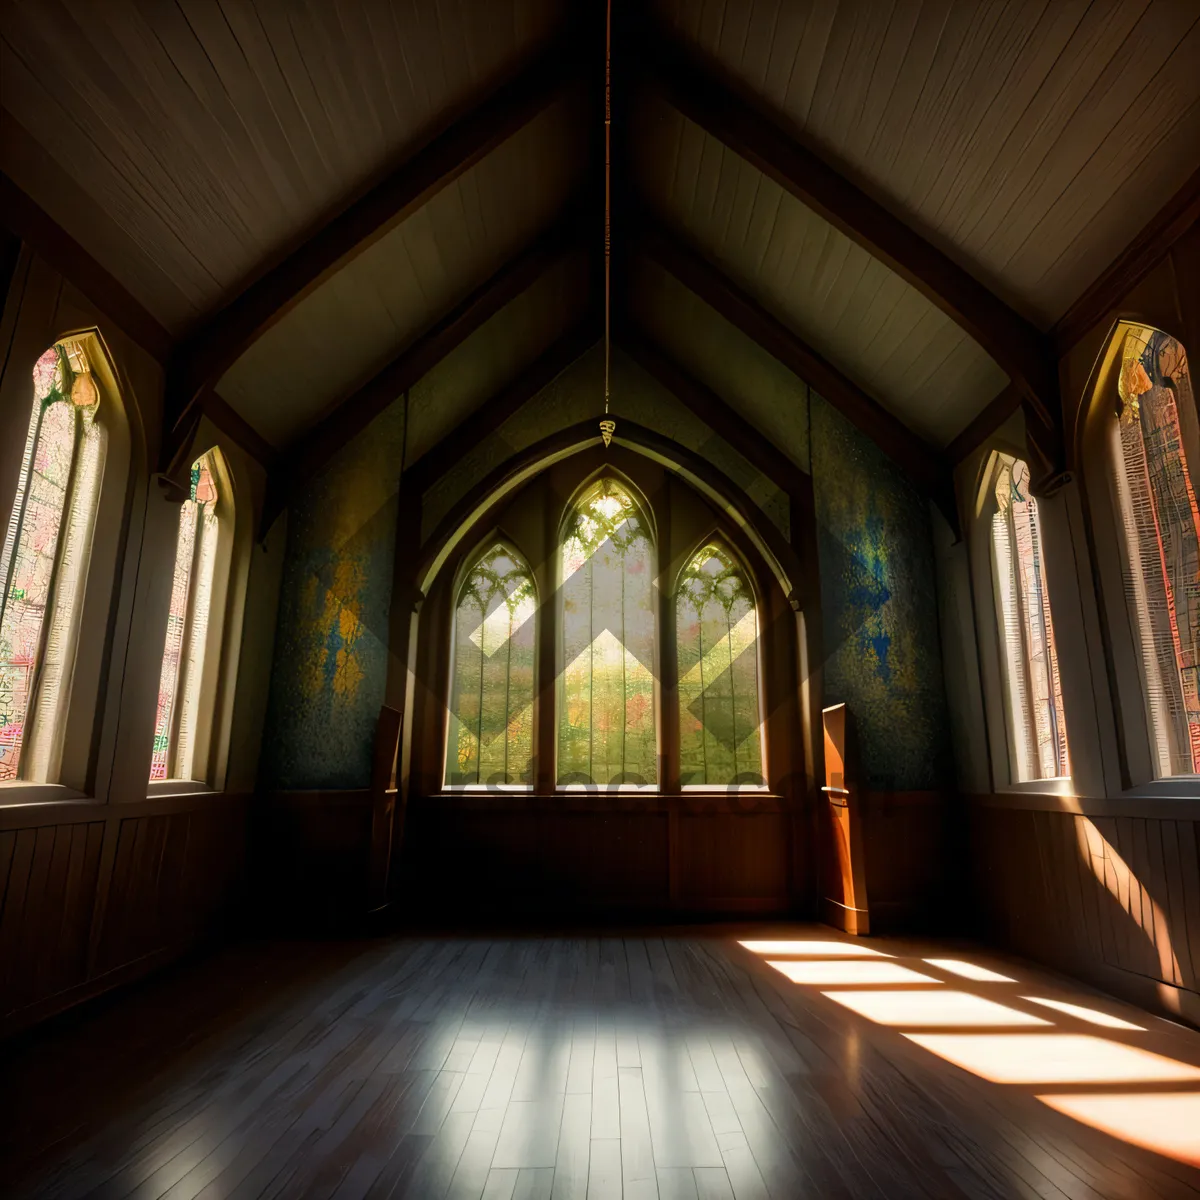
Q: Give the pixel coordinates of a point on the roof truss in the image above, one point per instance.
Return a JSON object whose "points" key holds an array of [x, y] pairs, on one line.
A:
{"points": [[924, 464], [202, 358], [1019, 348]]}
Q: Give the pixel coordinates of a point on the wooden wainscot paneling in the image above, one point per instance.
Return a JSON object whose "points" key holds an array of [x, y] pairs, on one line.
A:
{"points": [[314, 853], [622, 854], [93, 895], [1109, 897], [905, 839]]}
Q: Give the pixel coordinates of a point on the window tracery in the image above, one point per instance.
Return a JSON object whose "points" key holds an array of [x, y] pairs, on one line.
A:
{"points": [[489, 738], [716, 630], [1153, 443], [44, 559], [607, 727], [1029, 657], [188, 628]]}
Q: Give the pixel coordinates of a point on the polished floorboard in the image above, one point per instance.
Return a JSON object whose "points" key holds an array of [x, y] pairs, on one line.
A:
{"points": [[673, 1063]]}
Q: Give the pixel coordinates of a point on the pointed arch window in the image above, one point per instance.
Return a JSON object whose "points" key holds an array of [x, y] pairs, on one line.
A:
{"points": [[190, 636], [44, 561], [489, 737], [716, 630], [607, 732], [1153, 444], [1029, 658]]}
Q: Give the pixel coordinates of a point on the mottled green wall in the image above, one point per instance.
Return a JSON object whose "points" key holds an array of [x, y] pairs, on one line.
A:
{"points": [[879, 602], [330, 664]]}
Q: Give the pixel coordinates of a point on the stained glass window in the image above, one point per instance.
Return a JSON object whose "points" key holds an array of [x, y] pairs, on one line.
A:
{"points": [[188, 635], [43, 561], [489, 736], [606, 720], [716, 628], [1153, 443], [1029, 660]]}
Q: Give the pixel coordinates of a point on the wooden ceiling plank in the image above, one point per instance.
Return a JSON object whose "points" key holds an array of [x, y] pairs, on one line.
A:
{"points": [[1146, 250], [1019, 348], [755, 447], [316, 449], [22, 216], [923, 463], [207, 354]]}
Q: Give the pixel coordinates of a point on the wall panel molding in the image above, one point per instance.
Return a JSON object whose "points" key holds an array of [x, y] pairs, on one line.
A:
{"points": [[96, 895]]}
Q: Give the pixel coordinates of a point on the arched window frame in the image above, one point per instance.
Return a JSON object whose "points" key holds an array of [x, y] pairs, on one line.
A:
{"points": [[717, 538], [1013, 741], [193, 754], [69, 736], [468, 564], [646, 516], [1121, 653]]}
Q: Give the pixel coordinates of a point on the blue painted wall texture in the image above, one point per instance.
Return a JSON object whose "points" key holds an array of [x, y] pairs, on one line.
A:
{"points": [[330, 665], [879, 603]]}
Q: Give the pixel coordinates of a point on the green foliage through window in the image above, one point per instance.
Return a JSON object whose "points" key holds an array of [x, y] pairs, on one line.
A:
{"points": [[606, 719], [717, 637], [490, 731]]}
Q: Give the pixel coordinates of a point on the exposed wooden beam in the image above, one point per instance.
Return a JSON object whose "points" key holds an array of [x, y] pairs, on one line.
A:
{"points": [[24, 217], [924, 464], [315, 449], [755, 447], [488, 418], [1022, 351], [207, 354], [1132, 265], [219, 411], [997, 411]]}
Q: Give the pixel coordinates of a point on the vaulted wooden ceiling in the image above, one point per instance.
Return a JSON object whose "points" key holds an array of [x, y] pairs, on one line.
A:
{"points": [[321, 206]]}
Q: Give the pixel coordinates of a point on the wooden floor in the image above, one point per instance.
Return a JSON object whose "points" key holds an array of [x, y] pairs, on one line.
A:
{"points": [[673, 1064]]}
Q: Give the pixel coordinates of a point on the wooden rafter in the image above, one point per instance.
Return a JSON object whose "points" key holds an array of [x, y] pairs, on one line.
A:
{"points": [[201, 359], [315, 449], [24, 217], [1022, 351], [1132, 265], [755, 447], [998, 410], [924, 464]]}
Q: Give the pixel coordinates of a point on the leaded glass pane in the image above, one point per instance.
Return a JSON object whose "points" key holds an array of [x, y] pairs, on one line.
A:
{"points": [[716, 631], [606, 720], [181, 677], [489, 736], [31, 560], [1029, 657], [1152, 441]]}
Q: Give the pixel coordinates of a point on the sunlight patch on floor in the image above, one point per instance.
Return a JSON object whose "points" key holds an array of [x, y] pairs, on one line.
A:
{"points": [[847, 973], [811, 949], [1092, 1015], [1165, 1122], [1044, 1058], [968, 970], [930, 1007]]}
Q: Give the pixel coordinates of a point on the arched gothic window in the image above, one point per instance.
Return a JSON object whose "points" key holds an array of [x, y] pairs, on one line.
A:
{"points": [[606, 718], [1153, 443], [489, 736], [44, 560], [1029, 660], [190, 636], [716, 629]]}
